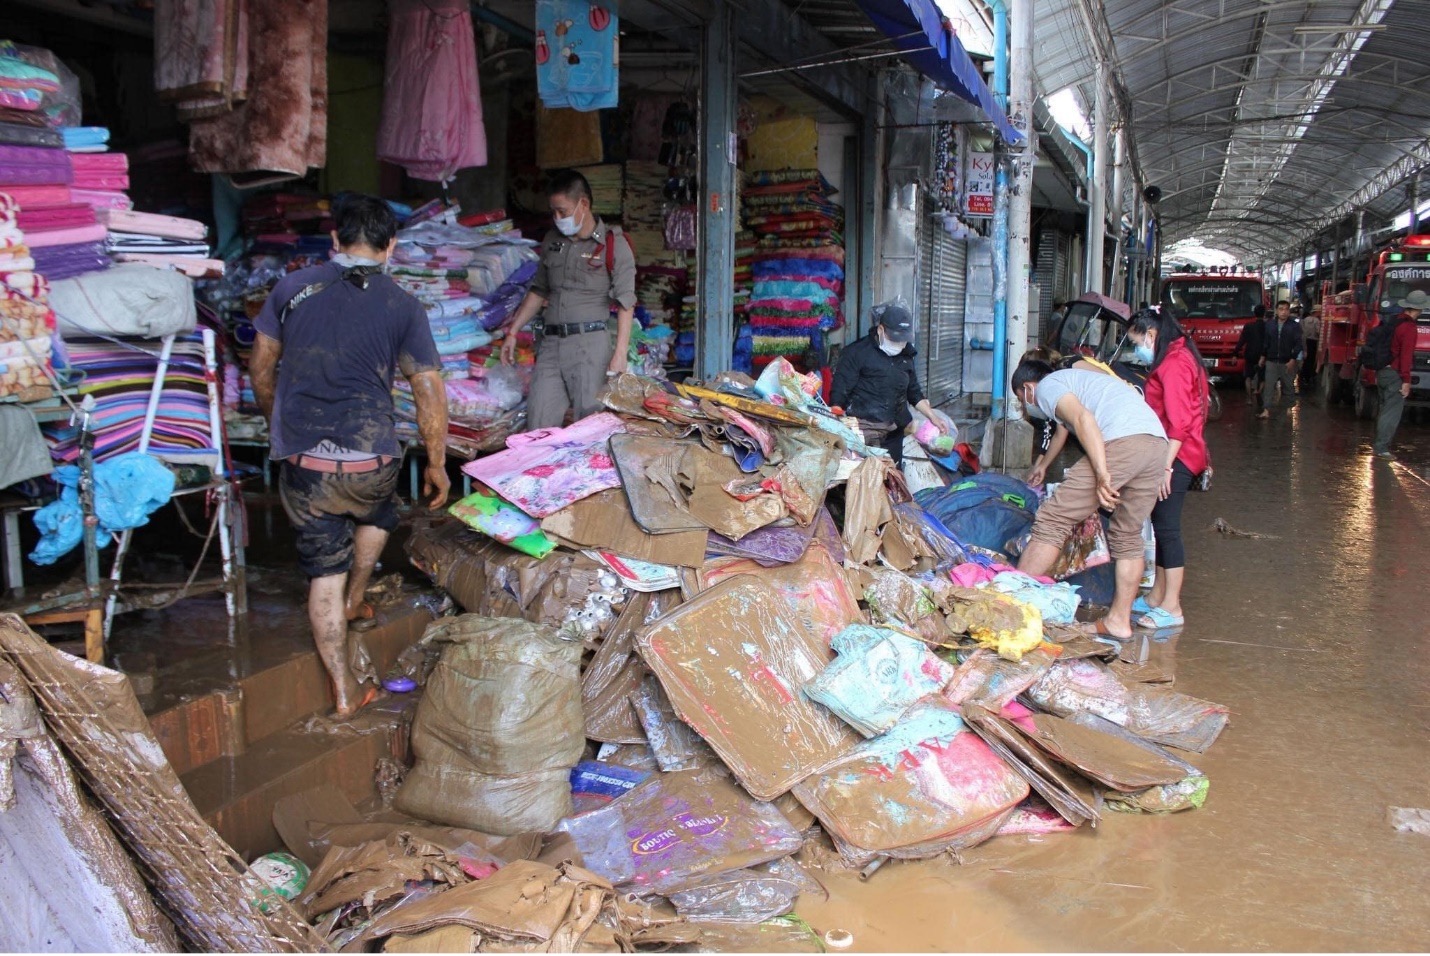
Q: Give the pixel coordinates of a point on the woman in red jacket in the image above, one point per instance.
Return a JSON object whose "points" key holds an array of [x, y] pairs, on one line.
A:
{"points": [[1177, 391]]}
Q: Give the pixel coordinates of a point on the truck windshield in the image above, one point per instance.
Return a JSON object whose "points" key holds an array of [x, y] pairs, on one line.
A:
{"points": [[1210, 299], [1401, 282]]}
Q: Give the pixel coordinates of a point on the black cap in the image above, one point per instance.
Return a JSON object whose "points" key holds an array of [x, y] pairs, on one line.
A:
{"points": [[898, 324]]}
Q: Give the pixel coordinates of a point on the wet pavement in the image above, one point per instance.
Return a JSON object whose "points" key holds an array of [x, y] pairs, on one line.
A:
{"points": [[1317, 637]]}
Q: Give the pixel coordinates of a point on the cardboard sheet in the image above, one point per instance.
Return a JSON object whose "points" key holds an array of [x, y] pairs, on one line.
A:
{"points": [[604, 521], [732, 662]]}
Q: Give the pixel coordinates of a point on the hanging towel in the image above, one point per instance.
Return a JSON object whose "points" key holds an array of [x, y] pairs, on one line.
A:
{"points": [[201, 55], [576, 54], [566, 137], [281, 130], [432, 101]]}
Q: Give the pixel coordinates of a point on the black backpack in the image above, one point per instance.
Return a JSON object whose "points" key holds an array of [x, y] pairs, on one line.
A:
{"points": [[1375, 353]]}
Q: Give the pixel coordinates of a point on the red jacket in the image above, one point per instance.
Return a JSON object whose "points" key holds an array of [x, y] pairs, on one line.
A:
{"points": [[1177, 392], [1402, 346]]}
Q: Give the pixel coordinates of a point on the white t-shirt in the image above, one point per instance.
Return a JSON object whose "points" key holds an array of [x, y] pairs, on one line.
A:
{"points": [[1119, 409]]}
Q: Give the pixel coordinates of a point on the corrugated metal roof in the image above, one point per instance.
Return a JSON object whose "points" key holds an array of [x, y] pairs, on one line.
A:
{"points": [[1263, 121]]}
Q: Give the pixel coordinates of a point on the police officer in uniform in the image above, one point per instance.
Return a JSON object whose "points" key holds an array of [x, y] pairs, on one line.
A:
{"points": [[585, 266]]}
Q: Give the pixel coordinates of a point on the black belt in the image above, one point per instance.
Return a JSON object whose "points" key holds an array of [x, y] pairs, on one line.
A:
{"points": [[575, 328]]}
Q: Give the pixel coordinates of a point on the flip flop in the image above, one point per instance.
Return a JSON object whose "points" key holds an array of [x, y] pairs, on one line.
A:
{"points": [[1157, 618], [1101, 631], [373, 694], [1140, 606]]}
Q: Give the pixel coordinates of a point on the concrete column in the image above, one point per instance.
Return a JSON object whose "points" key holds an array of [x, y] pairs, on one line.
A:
{"points": [[870, 149], [1097, 200], [717, 218]]}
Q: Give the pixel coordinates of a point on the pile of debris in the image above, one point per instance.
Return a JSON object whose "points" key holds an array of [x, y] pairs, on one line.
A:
{"points": [[705, 628]]}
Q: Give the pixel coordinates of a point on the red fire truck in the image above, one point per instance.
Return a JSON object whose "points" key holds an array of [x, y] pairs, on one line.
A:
{"points": [[1213, 307], [1346, 318]]}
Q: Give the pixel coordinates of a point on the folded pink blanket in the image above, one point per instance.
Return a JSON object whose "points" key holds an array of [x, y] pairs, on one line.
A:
{"points": [[44, 238], [105, 181], [194, 268], [152, 224], [33, 218], [102, 198], [99, 162], [30, 196]]}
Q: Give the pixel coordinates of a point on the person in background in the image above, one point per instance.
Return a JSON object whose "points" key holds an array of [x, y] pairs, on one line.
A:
{"points": [[341, 330], [875, 380], [1284, 348], [1311, 335], [1393, 381], [1123, 472], [1251, 345], [585, 267], [1176, 390]]}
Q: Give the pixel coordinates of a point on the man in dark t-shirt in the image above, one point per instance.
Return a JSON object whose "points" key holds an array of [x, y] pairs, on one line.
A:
{"points": [[342, 329]]}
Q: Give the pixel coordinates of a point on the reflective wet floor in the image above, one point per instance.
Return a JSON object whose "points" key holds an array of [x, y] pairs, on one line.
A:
{"points": [[1317, 636]]}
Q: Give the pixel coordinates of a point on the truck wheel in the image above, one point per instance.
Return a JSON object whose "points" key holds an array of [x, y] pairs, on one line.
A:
{"points": [[1367, 400], [1330, 384], [1213, 403]]}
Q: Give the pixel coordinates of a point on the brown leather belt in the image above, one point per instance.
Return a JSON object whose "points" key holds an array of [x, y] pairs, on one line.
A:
{"points": [[330, 467]]}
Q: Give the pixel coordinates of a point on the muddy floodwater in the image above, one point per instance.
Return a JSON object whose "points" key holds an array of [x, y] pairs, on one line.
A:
{"points": [[1316, 634]]}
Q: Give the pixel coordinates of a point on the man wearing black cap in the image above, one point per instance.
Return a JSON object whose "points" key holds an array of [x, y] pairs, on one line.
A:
{"points": [[875, 380]]}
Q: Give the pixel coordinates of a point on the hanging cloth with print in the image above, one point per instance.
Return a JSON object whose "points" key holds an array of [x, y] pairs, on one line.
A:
{"points": [[577, 55]]}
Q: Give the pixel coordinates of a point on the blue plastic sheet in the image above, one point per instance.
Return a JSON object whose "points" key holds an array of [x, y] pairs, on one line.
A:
{"points": [[127, 490]]}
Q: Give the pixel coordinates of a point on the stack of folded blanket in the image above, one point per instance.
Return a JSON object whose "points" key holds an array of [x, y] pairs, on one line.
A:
{"points": [[796, 266], [165, 242], [27, 324]]}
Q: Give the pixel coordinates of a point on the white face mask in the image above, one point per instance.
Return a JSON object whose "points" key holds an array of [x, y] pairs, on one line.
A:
{"points": [[890, 348], [568, 226]]}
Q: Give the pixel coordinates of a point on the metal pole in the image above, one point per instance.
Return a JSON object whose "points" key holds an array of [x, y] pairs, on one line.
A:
{"points": [[1415, 203], [1097, 201], [1118, 147], [1000, 275], [717, 180], [1020, 213], [1336, 260]]}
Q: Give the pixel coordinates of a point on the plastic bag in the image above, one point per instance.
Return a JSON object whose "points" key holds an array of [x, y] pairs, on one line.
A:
{"points": [[927, 785], [504, 522], [745, 896], [678, 828], [1154, 713], [498, 729], [732, 662], [1057, 603], [879, 674], [594, 785], [988, 679], [997, 621], [675, 744]]}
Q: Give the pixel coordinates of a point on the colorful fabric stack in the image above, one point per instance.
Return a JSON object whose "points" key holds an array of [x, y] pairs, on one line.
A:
{"points": [[120, 374], [608, 185], [797, 266], [164, 242], [273, 216], [642, 212], [63, 236], [27, 325]]}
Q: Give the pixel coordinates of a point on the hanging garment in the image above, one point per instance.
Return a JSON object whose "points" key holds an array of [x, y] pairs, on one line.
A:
{"points": [[566, 138], [577, 44], [201, 55], [432, 100], [281, 131]]}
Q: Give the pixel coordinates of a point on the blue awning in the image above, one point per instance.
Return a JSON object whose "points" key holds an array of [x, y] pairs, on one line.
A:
{"points": [[917, 27]]}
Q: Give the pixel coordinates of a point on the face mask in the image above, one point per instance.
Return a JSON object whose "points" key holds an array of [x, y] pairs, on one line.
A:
{"points": [[568, 226], [1144, 353], [891, 348]]}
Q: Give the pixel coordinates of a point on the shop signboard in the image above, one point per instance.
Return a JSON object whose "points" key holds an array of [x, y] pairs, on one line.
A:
{"points": [[978, 185]]}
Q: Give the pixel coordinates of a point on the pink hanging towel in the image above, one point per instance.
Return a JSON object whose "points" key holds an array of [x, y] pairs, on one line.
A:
{"points": [[432, 101]]}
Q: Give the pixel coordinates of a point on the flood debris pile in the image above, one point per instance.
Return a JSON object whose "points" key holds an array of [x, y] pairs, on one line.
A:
{"points": [[705, 630]]}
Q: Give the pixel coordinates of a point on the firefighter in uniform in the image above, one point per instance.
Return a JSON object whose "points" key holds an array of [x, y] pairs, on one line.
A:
{"points": [[585, 266]]}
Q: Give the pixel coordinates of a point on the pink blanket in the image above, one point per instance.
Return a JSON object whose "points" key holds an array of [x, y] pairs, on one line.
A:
{"points": [[102, 198], [152, 224], [44, 238], [99, 163]]}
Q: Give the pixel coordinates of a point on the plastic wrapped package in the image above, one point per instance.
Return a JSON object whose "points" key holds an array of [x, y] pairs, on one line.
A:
{"points": [[595, 785], [675, 744], [1154, 713], [498, 729], [988, 679], [879, 674], [814, 587], [504, 522], [997, 621], [1057, 603], [927, 785], [898, 600], [1189, 793], [745, 896], [676, 829], [732, 661], [613, 675]]}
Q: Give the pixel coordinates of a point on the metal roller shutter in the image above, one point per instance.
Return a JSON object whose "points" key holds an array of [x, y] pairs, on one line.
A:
{"points": [[944, 266]]}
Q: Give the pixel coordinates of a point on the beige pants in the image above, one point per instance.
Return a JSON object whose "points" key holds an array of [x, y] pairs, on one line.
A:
{"points": [[570, 371], [1137, 464]]}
